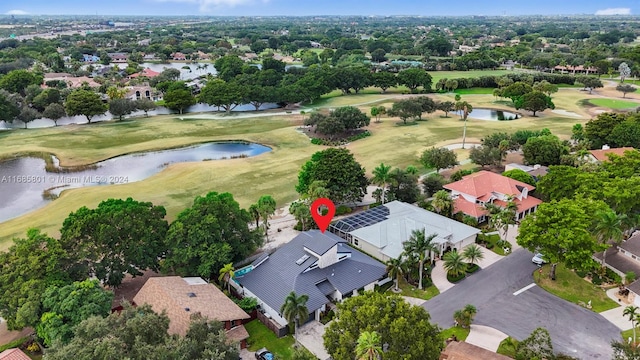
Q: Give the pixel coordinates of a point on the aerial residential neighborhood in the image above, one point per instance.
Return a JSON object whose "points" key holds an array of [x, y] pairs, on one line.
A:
{"points": [[278, 180]]}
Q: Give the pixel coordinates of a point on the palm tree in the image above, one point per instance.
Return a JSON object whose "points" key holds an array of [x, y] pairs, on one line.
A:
{"points": [[442, 203], [609, 228], [294, 309], [396, 269], [473, 254], [381, 177], [454, 263], [411, 170], [632, 312], [418, 245], [470, 313], [368, 346], [226, 274]]}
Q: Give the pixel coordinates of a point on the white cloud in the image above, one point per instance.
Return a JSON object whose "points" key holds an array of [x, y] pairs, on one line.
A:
{"points": [[207, 5], [16, 12], [614, 11]]}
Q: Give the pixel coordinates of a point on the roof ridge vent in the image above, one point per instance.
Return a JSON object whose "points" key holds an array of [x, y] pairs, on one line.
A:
{"points": [[304, 258]]}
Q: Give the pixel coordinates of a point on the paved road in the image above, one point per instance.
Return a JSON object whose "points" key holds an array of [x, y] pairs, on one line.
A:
{"points": [[574, 330]]}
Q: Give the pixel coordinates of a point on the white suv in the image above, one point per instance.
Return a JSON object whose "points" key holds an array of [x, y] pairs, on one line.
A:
{"points": [[538, 259]]}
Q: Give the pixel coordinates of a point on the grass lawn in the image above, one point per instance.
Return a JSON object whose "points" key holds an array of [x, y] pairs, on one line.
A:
{"points": [[629, 334], [493, 240], [474, 91], [437, 75], [260, 336], [614, 103], [569, 286], [508, 347], [274, 173], [460, 332], [412, 291]]}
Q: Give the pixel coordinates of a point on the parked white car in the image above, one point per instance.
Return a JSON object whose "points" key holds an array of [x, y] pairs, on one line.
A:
{"points": [[538, 259]]}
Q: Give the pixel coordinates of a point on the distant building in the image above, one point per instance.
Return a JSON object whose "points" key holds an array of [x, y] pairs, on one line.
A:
{"points": [[148, 73], [178, 56], [90, 58], [139, 92], [603, 154], [119, 57]]}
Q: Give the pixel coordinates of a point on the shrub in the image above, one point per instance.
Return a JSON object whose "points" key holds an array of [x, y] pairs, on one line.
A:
{"points": [[247, 304], [471, 268], [456, 176], [327, 142], [596, 280], [343, 209], [630, 277], [613, 277], [581, 273], [455, 279]]}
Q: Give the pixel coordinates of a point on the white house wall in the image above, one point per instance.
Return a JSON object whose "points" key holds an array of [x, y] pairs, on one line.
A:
{"points": [[267, 309]]}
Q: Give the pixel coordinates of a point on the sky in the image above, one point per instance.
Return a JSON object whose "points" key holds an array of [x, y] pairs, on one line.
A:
{"points": [[319, 7]]}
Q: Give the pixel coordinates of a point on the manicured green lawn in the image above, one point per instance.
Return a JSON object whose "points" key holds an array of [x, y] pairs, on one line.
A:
{"points": [[614, 103], [508, 347], [474, 91], [412, 291], [260, 336], [460, 332], [569, 286], [629, 334]]}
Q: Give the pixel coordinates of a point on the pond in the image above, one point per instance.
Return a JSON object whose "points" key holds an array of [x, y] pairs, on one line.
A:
{"points": [[493, 115], [26, 185]]}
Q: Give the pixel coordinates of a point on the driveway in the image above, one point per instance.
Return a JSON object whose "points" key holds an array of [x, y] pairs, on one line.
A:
{"points": [[574, 330], [310, 336]]}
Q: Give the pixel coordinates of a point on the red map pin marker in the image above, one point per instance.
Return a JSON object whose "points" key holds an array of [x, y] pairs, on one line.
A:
{"points": [[323, 221]]}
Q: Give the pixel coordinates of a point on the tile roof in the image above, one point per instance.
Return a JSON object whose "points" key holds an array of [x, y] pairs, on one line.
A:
{"points": [[523, 205], [237, 334], [460, 350], [181, 297], [14, 354], [145, 72], [280, 274], [620, 261], [601, 155], [467, 207], [483, 183]]}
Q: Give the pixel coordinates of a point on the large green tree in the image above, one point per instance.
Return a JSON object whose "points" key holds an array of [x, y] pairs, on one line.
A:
{"points": [[223, 94], [118, 237], [344, 177], [403, 186], [17, 81], [544, 150], [208, 235], [438, 158], [8, 109], [537, 346], [404, 328], [405, 109], [520, 175], [534, 101], [414, 78], [179, 99], [121, 107], [597, 130], [31, 265], [64, 307], [84, 102]]}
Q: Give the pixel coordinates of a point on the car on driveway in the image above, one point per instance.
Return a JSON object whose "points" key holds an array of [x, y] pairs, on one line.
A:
{"points": [[264, 354], [538, 259]]}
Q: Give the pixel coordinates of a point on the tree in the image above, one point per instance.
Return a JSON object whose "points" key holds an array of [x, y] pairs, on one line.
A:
{"points": [[294, 309], [624, 70], [442, 203], [114, 92], [516, 90], [403, 186], [395, 268], [625, 88], [418, 245], [28, 114], [413, 78], [351, 117], [368, 347], [378, 55], [8, 109], [120, 107], [226, 275], [544, 150], [17, 81], [608, 229], [404, 328], [472, 254], [208, 235], [561, 231], [381, 177], [439, 158], [465, 316], [266, 207], [598, 130], [589, 82], [138, 333], [54, 112], [229, 66], [179, 99], [31, 265], [378, 111], [46, 98], [536, 346], [432, 183], [545, 87], [405, 109], [485, 155], [118, 237], [454, 263], [224, 94], [384, 80], [632, 312], [64, 307], [145, 105], [534, 101], [446, 107], [344, 177], [520, 175], [84, 102]]}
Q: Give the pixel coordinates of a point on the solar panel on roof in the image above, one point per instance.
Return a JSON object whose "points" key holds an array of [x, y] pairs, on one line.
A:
{"points": [[363, 219]]}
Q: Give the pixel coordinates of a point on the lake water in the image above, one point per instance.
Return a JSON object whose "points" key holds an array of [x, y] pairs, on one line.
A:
{"points": [[493, 115], [24, 181]]}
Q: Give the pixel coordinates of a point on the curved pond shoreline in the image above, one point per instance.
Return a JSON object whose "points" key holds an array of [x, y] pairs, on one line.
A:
{"points": [[27, 182]]}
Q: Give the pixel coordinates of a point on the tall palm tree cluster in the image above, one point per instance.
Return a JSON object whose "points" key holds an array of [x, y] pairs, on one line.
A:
{"points": [[501, 217], [417, 250]]}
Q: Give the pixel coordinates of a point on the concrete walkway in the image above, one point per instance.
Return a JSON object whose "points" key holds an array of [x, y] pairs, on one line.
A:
{"points": [[413, 301], [310, 336], [615, 315], [439, 277], [485, 337], [489, 259]]}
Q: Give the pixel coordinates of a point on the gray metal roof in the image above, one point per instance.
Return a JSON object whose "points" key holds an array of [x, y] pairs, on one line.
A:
{"points": [[275, 278]]}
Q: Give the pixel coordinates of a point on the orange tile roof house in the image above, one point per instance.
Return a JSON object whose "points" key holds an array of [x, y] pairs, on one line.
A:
{"points": [[181, 297], [602, 154], [14, 354], [475, 190], [146, 72]]}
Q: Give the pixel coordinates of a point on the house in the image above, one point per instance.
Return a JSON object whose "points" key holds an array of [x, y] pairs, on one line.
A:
{"points": [[178, 56], [625, 258], [383, 230], [139, 92], [319, 265], [119, 57], [250, 56], [149, 57], [71, 81], [13, 354], [90, 58], [182, 297], [602, 154], [460, 350], [575, 69], [537, 171], [475, 190], [203, 55], [146, 72]]}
